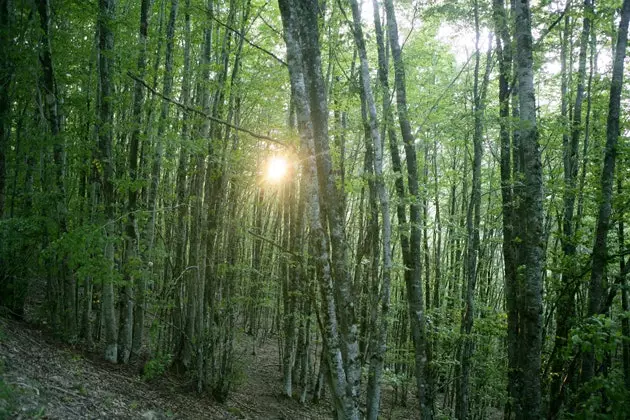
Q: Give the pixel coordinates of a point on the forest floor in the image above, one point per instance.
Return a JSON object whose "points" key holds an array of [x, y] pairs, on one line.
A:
{"points": [[42, 378]]}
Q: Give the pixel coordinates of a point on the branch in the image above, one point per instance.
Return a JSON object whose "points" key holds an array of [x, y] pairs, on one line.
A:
{"points": [[277, 245], [437, 101], [202, 113], [237, 32], [539, 41], [550, 28]]}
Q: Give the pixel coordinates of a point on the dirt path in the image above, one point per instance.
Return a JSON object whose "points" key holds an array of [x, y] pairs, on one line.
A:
{"points": [[40, 378]]}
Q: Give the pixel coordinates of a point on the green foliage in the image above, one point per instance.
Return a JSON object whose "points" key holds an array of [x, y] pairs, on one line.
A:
{"points": [[607, 398], [599, 335], [156, 367], [10, 403], [8, 399], [604, 396], [20, 241], [82, 249]]}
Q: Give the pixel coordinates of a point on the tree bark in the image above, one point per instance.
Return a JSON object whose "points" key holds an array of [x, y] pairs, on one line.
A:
{"points": [[566, 301], [504, 52], [379, 344], [167, 88], [62, 277], [6, 76], [413, 282], [530, 229], [600, 246], [341, 344], [625, 307], [473, 219], [106, 18], [131, 229]]}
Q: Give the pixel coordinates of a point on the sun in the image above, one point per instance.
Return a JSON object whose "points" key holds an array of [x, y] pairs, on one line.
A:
{"points": [[277, 169]]}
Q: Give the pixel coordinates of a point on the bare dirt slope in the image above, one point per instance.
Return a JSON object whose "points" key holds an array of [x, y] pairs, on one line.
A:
{"points": [[40, 378]]}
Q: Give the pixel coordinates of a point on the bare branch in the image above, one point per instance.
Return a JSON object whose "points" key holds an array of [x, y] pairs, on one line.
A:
{"points": [[237, 32], [204, 114]]}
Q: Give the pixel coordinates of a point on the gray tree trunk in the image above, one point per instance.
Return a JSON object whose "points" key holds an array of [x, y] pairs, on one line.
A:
{"points": [[566, 303], [530, 229], [600, 246], [473, 218], [167, 88], [379, 341], [413, 282], [6, 76], [341, 344], [106, 18], [504, 52], [288, 292], [625, 307], [131, 229], [193, 301], [64, 279]]}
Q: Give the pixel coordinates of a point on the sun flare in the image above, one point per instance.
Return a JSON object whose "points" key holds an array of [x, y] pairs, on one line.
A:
{"points": [[277, 169]]}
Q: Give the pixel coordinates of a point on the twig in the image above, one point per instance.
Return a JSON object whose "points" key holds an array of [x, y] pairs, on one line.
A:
{"points": [[437, 101], [64, 391], [25, 386], [237, 32], [202, 113], [539, 41], [277, 245]]}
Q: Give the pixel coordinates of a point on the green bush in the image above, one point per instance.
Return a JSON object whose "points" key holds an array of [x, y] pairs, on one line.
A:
{"points": [[20, 243], [156, 367]]}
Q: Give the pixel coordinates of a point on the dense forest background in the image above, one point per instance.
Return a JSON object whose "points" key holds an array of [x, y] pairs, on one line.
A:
{"points": [[427, 198]]}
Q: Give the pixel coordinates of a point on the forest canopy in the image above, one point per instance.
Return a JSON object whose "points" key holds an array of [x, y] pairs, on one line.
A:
{"points": [[424, 200]]}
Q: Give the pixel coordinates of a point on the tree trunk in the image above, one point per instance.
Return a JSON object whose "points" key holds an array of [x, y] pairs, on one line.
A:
{"points": [[504, 52], [167, 88], [530, 229], [413, 282], [600, 247], [106, 18], [473, 219], [194, 302], [131, 229], [379, 342], [566, 301], [304, 60], [6, 76], [625, 307], [288, 292], [63, 278]]}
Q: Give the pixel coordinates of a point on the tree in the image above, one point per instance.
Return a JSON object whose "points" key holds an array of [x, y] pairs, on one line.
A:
{"points": [[380, 336], [570, 144], [6, 73], [473, 220], [105, 165], [600, 246], [137, 216], [344, 363], [413, 281], [529, 230], [131, 228]]}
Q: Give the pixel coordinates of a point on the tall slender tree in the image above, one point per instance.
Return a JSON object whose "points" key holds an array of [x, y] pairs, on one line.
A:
{"points": [[529, 231], [414, 281], [105, 165], [6, 76], [379, 343], [473, 220], [600, 245], [133, 273]]}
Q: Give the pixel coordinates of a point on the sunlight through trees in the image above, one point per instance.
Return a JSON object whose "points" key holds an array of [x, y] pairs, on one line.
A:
{"points": [[421, 206]]}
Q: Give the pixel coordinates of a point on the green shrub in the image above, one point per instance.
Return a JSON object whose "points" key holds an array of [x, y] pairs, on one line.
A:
{"points": [[156, 367]]}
